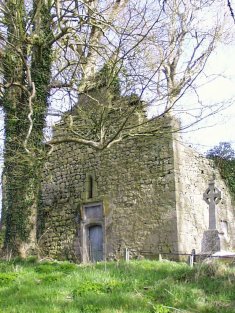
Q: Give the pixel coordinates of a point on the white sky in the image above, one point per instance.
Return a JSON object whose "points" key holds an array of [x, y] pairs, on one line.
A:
{"points": [[220, 126]]}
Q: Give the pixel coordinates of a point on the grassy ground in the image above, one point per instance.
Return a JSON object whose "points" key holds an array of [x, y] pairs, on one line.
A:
{"points": [[135, 287]]}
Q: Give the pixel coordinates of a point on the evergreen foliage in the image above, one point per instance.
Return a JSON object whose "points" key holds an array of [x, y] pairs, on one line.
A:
{"points": [[108, 77], [223, 151], [223, 156]]}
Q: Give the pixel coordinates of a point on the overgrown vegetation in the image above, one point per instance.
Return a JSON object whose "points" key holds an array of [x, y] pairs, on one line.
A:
{"points": [[223, 156], [135, 287]]}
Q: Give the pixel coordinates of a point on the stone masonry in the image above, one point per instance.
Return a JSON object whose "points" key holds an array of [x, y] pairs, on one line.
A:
{"points": [[144, 194], [193, 172]]}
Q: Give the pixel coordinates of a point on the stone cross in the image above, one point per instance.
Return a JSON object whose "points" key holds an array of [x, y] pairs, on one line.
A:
{"points": [[212, 196]]}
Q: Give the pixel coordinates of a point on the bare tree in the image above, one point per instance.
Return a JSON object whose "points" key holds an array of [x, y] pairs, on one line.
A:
{"points": [[128, 50], [157, 52], [231, 9]]}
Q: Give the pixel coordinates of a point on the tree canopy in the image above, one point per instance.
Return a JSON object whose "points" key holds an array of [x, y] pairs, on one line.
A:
{"points": [[223, 151]]}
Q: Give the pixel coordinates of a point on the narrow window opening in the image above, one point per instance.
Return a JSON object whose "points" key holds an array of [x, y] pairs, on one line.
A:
{"points": [[90, 187]]}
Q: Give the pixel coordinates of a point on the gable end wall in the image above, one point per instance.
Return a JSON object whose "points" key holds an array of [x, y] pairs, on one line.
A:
{"points": [[135, 183]]}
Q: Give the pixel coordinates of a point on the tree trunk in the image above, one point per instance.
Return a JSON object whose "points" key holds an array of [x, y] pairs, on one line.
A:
{"points": [[24, 133]]}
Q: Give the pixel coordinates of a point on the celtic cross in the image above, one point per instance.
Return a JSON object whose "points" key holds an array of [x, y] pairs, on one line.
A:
{"points": [[212, 196]]}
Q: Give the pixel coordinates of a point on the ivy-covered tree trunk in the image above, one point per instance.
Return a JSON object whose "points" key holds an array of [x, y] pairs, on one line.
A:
{"points": [[26, 67]]}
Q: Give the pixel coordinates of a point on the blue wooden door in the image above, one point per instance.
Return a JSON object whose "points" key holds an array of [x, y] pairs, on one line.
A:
{"points": [[95, 234]]}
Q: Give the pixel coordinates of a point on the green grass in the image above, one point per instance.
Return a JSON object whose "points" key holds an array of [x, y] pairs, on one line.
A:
{"points": [[135, 287]]}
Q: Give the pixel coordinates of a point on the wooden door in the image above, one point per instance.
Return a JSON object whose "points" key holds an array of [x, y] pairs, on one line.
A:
{"points": [[95, 241]]}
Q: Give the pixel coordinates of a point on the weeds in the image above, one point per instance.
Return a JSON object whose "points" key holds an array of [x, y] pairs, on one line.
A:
{"points": [[7, 278], [136, 287]]}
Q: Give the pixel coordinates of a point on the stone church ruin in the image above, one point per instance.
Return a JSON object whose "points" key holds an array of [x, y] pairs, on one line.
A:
{"points": [[144, 193]]}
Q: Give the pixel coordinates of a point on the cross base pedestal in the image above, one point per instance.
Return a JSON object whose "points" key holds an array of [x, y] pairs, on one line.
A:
{"points": [[211, 242]]}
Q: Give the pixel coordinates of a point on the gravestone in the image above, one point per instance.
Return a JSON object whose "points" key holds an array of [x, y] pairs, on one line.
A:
{"points": [[212, 196], [211, 239]]}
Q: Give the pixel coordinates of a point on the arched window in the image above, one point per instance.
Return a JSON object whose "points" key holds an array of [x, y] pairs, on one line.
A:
{"points": [[90, 191]]}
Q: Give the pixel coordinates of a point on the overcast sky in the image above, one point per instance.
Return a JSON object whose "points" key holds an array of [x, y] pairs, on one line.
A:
{"points": [[220, 126], [218, 88]]}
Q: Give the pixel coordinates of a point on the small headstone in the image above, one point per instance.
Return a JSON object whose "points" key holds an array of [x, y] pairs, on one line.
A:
{"points": [[126, 255], [192, 258]]}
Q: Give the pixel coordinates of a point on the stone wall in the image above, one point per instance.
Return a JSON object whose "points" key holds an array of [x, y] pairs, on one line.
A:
{"points": [[134, 182], [150, 190], [192, 175]]}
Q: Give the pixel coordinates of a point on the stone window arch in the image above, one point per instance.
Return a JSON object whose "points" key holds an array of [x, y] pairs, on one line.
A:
{"points": [[90, 187]]}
